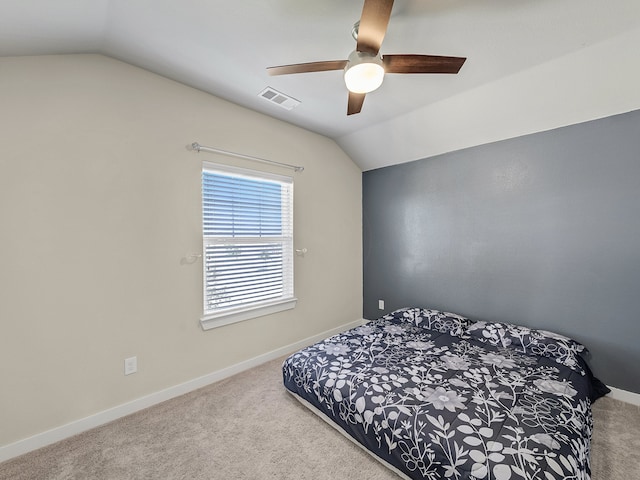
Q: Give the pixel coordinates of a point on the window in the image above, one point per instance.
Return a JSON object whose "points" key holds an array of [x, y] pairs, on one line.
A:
{"points": [[247, 224]]}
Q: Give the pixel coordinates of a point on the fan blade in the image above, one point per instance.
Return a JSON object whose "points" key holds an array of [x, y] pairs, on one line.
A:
{"points": [[355, 102], [373, 25], [422, 64], [307, 67]]}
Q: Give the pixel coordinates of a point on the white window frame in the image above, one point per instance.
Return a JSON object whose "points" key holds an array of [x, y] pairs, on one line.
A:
{"points": [[212, 319]]}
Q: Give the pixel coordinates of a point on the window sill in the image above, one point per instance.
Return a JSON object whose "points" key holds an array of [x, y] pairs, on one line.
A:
{"points": [[233, 316]]}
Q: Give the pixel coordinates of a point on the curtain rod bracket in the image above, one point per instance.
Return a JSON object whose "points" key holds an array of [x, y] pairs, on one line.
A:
{"points": [[195, 146]]}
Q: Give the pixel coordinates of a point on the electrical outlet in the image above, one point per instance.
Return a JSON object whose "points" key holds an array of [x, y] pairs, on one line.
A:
{"points": [[380, 304], [130, 365]]}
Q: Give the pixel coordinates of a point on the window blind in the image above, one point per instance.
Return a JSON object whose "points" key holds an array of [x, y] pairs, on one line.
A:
{"points": [[248, 239]]}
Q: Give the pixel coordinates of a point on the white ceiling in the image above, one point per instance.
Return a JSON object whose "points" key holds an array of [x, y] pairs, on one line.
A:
{"points": [[516, 50]]}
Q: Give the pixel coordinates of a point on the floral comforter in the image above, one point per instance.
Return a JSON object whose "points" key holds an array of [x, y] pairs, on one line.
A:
{"points": [[450, 405]]}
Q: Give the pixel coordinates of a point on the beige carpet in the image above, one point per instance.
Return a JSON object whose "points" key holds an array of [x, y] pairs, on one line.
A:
{"points": [[248, 427]]}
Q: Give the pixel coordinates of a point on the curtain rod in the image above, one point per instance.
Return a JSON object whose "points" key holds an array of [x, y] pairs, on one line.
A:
{"points": [[198, 148]]}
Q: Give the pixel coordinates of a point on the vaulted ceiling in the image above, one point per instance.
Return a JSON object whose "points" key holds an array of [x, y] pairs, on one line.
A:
{"points": [[532, 64]]}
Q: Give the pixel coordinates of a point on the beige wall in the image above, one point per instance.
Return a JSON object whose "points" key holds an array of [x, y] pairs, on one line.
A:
{"points": [[99, 205]]}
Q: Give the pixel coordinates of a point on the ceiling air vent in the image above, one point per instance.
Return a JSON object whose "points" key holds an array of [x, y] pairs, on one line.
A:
{"points": [[279, 98]]}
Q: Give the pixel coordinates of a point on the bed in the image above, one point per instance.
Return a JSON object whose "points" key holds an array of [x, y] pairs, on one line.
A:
{"points": [[434, 395]]}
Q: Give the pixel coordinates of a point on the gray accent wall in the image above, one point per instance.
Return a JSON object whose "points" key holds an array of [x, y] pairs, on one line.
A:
{"points": [[541, 230]]}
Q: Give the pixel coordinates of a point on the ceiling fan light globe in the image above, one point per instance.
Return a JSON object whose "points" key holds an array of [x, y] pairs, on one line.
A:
{"points": [[364, 78], [364, 72]]}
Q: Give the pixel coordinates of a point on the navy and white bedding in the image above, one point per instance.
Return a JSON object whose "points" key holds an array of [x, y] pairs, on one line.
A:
{"points": [[439, 397]]}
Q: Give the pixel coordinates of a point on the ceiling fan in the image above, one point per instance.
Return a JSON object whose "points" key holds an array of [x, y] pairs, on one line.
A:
{"points": [[365, 68]]}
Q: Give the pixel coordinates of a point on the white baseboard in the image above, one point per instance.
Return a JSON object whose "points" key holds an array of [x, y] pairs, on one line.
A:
{"points": [[65, 431], [624, 396]]}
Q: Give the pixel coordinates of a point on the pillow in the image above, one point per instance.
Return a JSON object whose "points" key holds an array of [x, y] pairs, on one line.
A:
{"points": [[486, 332], [443, 322], [543, 343]]}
